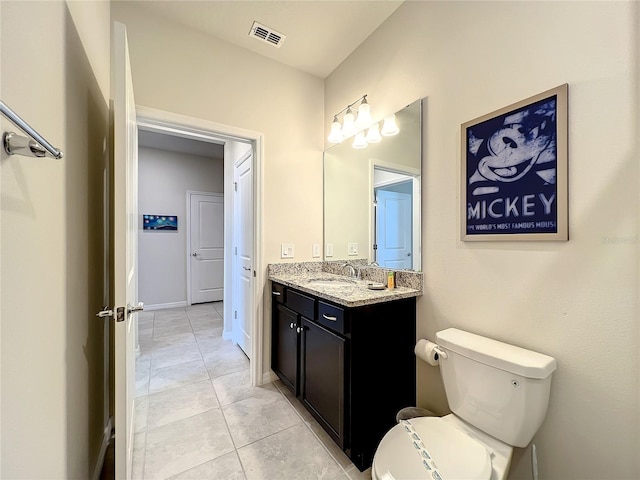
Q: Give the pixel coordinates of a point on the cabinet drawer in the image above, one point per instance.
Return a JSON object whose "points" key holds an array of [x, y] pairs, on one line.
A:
{"points": [[300, 303], [331, 317], [277, 292]]}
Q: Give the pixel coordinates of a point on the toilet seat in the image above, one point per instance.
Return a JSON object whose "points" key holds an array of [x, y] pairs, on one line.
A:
{"points": [[430, 448]]}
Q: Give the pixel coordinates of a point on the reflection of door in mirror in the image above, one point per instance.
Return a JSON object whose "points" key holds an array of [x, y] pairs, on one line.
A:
{"points": [[396, 198]]}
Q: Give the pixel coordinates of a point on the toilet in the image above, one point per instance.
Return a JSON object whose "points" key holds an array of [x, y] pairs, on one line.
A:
{"points": [[498, 395]]}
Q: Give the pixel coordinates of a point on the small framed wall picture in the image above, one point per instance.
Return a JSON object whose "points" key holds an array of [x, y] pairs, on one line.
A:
{"points": [[514, 171], [160, 222]]}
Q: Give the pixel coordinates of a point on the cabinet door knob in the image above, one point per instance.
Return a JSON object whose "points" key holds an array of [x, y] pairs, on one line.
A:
{"points": [[292, 325], [299, 329], [276, 294]]}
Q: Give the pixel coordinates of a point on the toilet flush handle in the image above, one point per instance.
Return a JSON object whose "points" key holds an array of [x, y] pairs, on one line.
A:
{"points": [[440, 353]]}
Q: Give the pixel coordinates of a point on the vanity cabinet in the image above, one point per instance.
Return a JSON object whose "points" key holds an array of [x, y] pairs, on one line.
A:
{"points": [[353, 368]]}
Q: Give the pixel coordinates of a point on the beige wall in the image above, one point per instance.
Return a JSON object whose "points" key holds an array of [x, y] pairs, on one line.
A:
{"points": [[55, 64], [182, 71], [576, 300]]}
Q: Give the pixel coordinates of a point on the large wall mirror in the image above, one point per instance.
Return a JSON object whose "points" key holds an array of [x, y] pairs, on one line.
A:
{"points": [[372, 197]]}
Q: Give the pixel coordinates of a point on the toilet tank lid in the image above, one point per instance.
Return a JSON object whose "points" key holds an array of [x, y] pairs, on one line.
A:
{"points": [[523, 362]]}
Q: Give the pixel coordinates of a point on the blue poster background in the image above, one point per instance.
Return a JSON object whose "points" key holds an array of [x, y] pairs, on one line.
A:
{"points": [[511, 165]]}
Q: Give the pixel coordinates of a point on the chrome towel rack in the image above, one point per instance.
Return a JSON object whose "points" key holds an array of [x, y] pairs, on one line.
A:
{"points": [[17, 145]]}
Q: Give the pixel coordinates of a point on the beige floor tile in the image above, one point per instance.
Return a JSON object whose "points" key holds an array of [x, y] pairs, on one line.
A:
{"points": [[292, 453], [237, 386], [179, 403], [177, 375], [182, 445], [256, 418], [226, 467], [174, 355]]}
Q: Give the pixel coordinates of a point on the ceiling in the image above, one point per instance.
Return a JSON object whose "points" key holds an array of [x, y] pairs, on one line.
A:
{"points": [[320, 34]]}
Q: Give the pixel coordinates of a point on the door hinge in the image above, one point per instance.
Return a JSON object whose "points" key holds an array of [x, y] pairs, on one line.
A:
{"points": [[235, 314], [235, 186], [254, 274], [120, 314], [235, 251]]}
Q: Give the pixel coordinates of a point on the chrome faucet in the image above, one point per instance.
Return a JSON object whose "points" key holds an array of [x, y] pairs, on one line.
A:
{"points": [[351, 269]]}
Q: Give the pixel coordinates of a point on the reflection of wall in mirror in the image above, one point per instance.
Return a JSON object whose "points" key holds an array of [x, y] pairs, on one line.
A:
{"points": [[347, 177]]}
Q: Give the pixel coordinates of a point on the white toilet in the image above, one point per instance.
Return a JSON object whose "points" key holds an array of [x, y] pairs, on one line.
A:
{"points": [[498, 394]]}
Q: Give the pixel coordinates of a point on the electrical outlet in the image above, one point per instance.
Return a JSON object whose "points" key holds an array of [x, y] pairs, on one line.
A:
{"points": [[315, 250], [288, 250], [352, 248], [329, 252]]}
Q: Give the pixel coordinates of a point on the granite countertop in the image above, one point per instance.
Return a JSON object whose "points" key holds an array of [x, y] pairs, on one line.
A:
{"points": [[355, 294]]}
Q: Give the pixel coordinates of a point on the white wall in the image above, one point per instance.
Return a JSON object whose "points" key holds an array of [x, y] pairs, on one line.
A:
{"points": [[575, 300], [163, 181], [216, 81], [55, 73]]}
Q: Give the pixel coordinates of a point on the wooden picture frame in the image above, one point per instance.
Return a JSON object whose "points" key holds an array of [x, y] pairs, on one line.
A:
{"points": [[514, 181]]}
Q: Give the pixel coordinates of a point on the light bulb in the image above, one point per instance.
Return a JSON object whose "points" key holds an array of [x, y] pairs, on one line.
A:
{"points": [[348, 124], [373, 134], [364, 115], [359, 141], [335, 136], [389, 126]]}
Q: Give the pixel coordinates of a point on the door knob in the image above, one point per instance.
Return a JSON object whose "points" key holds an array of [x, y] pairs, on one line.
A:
{"points": [[137, 308], [194, 254], [292, 325]]}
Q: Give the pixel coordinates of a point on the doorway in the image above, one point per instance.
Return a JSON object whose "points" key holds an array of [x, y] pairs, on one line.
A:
{"points": [[234, 143]]}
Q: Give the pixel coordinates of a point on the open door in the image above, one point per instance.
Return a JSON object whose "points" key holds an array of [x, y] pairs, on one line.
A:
{"points": [[243, 240], [124, 240]]}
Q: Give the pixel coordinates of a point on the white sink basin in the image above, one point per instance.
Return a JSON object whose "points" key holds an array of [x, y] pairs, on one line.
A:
{"points": [[330, 283]]}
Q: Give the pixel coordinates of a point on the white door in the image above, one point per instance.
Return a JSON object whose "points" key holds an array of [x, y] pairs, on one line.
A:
{"points": [[243, 252], [206, 253], [393, 229], [125, 226]]}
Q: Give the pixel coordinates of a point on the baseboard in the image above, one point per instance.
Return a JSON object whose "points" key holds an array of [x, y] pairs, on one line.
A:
{"points": [[162, 306], [227, 335], [97, 469], [268, 377]]}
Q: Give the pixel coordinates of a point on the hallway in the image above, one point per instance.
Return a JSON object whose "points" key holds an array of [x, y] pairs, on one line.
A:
{"points": [[197, 416]]}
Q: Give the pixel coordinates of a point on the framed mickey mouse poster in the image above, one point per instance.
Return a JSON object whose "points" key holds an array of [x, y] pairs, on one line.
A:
{"points": [[514, 171]]}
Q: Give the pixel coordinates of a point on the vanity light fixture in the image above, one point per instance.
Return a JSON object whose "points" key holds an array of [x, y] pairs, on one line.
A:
{"points": [[359, 141], [336, 131], [389, 127], [348, 124], [373, 134], [357, 122]]}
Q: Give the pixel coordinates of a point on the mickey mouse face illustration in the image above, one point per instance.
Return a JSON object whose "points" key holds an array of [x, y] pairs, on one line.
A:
{"points": [[513, 150]]}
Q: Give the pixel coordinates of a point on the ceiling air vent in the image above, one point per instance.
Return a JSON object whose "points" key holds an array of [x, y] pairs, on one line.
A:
{"points": [[267, 35]]}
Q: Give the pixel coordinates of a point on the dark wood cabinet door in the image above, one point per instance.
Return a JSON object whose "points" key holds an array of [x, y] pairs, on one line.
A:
{"points": [[284, 349], [323, 377]]}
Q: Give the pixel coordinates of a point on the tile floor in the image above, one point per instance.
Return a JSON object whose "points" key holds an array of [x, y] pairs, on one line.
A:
{"points": [[198, 417]]}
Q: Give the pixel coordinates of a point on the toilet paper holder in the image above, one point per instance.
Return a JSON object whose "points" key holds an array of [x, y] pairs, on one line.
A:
{"points": [[429, 352]]}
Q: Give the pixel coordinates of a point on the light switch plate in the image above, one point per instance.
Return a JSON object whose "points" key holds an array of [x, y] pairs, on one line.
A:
{"points": [[329, 252], [352, 248], [315, 250], [288, 250]]}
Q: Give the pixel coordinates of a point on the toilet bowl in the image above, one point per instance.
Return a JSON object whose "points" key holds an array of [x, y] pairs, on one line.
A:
{"points": [[439, 448], [498, 395]]}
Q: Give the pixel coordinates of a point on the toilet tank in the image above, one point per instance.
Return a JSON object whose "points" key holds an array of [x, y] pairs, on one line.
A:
{"points": [[499, 388]]}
